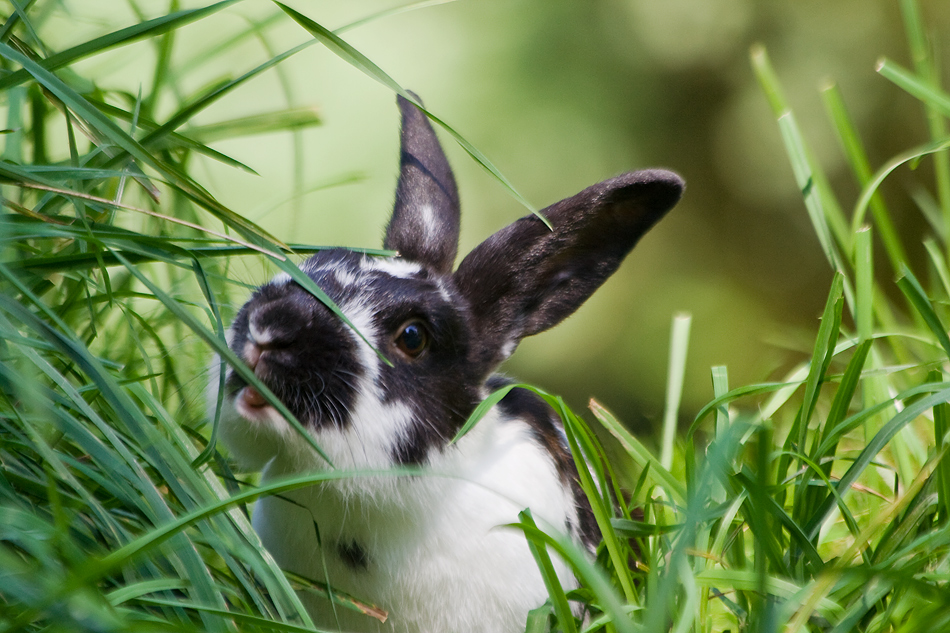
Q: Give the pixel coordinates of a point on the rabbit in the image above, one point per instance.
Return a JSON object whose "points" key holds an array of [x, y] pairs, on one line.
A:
{"points": [[426, 548]]}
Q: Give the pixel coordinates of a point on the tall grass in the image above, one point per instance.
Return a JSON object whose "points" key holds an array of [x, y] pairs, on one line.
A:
{"points": [[818, 503], [114, 257]]}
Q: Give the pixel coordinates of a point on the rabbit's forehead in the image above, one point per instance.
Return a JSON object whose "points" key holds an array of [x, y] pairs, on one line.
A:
{"points": [[353, 278], [350, 268]]}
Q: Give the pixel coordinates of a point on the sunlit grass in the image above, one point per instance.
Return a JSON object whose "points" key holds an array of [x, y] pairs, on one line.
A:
{"points": [[819, 503], [816, 503]]}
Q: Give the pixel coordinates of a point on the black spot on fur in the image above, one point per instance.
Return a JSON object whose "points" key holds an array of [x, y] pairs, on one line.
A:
{"points": [[353, 555]]}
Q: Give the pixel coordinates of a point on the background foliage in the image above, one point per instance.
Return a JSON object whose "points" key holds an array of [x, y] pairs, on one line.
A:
{"points": [[133, 224]]}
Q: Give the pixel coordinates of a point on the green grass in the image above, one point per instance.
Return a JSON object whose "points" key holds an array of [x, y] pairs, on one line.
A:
{"points": [[816, 503]]}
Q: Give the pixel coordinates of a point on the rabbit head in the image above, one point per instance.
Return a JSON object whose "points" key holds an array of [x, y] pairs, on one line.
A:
{"points": [[443, 332]]}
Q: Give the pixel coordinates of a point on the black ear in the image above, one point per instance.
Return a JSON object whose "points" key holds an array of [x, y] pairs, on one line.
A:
{"points": [[425, 223], [527, 278]]}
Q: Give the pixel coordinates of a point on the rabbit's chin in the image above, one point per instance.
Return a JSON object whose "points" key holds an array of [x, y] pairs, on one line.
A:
{"points": [[253, 432]]}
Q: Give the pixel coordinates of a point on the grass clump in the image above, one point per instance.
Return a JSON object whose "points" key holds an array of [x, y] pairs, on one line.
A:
{"points": [[106, 242], [816, 503]]}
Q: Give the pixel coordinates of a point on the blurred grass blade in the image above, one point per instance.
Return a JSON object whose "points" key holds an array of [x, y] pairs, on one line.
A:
{"points": [[939, 264], [720, 381], [640, 454], [804, 176], [857, 158], [188, 112], [140, 31], [107, 127], [173, 139], [412, 6], [823, 209], [283, 120], [914, 85], [928, 68], [362, 63], [562, 609], [679, 343], [861, 206], [918, 298], [864, 274]]}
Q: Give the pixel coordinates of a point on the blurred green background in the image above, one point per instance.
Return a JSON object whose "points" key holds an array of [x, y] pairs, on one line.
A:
{"points": [[560, 94]]}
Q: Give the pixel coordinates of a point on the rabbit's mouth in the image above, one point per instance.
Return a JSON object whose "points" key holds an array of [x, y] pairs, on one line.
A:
{"points": [[253, 400], [250, 402], [251, 405]]}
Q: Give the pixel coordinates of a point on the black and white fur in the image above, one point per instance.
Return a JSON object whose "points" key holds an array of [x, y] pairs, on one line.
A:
{"points": [[427, 548]]}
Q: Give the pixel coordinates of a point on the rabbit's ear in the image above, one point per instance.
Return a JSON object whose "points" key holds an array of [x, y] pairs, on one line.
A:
{"points": [[425, 224], [526, 278]]}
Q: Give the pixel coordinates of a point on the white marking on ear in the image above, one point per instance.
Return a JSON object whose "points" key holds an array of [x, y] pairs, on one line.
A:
{"points": [[509, 348], [430, 226], [396, 267], [281, 279]]}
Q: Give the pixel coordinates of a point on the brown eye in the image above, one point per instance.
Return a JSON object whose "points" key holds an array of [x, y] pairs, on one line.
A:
{"points": [[412, 339]]}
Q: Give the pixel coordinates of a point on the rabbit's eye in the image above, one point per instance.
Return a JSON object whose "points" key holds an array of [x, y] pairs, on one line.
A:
{"points": [[412, 339]]}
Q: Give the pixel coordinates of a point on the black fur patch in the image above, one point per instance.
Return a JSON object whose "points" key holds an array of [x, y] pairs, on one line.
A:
{"points": [[547, 431], [310, 359], [353, 555], [438, 389], [528, 277], [425, 223]]}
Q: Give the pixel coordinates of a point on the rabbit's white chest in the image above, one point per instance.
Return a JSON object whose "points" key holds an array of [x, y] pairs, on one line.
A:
{"points": [[428, 549]]}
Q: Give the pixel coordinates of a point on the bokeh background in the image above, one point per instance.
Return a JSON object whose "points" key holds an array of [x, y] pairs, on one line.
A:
{"points": [[560, 94]]}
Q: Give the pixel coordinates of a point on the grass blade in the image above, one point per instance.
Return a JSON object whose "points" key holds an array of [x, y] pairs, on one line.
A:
{"points": [[562, 609], [362, 63], [857, 158], [679, 342], [918, 298], [143, 30]]}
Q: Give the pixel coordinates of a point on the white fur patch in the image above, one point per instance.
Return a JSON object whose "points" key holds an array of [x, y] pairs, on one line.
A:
{"points": [[281, 279], [425, 530], [361, 316], [257, 334], [430, 225], [508, 348], [345, 278], [396, 267]]}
